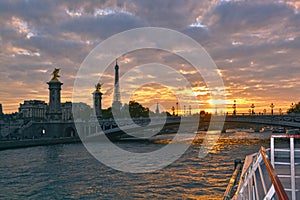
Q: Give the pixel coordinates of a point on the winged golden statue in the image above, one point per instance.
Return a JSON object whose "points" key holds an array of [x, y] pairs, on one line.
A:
{"points": [[98, 86], [55, 74]]}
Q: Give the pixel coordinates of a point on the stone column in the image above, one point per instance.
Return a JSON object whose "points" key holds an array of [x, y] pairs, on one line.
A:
{"points": [[97, 96], [54, 109]]}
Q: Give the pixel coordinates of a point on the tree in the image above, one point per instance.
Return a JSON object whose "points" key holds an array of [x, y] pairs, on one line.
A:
{"points": [[202, 113], [136, 110], [107, 114], [295, 108], [162, 114]]}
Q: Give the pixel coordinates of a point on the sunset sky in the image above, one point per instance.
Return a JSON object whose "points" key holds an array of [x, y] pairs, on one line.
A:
{"points": [[254, 43]]}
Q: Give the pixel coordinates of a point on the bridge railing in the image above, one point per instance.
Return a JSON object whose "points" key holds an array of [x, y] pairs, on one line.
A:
{"points": [[280, 120], [93, 127], [262, 114]]}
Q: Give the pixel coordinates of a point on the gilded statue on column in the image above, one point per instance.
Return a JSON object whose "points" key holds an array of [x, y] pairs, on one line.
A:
{"points": [[98, 87], [55, 74]]}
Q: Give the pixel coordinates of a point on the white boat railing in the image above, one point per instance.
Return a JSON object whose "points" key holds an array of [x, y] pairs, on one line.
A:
{"points": [[274, 178], [260, 183], [285, 162]]}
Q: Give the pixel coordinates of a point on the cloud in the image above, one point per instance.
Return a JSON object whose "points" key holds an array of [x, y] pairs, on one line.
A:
{"points": [[250, 15], [256, 44], [103, 26]]}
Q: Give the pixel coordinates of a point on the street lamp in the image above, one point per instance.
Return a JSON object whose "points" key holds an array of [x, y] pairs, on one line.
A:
{"points": [[234, 108], [216, 108], [265, 111], [292, 108], [253, 106], [272, 106], [173, 110], [177, 108]]}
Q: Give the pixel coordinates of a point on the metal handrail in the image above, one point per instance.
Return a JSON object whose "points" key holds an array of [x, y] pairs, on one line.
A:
{"points": [[244, 190], [233, 180], [291, 150], [274, 178], [253, 183], [297, 136]]}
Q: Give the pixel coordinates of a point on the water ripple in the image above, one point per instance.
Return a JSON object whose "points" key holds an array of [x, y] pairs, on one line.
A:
{"points": [[70, 172]]}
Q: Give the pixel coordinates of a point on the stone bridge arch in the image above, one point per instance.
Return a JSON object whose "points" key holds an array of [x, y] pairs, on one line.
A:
{"points": [[70, 132]]}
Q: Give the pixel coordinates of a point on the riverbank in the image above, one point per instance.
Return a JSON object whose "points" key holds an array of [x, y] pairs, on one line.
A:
{"points": [[13, 144]]}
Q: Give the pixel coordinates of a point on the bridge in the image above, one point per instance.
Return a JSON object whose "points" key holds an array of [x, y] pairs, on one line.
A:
{"points": [[115, 130], [160, 125], [285, 120], [140, 126]]}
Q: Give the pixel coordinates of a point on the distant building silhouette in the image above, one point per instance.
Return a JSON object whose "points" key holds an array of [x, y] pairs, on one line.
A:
{"points": [[66, 111], [33, 110]]}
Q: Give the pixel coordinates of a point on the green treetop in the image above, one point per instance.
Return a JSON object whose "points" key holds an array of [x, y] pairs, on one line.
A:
{"points": [[295, 108]]}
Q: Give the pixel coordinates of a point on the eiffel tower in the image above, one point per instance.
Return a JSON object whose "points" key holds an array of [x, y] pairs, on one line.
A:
{"points": [[116, 105]]}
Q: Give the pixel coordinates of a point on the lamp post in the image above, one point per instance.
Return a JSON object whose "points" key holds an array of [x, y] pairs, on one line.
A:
{"points": [[173, 110], [216, 109], [177, 108], [234, 108], [252, 107], [292, 108], [272, 106]]}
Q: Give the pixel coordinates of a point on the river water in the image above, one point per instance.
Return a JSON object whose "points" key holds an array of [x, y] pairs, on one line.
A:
{"points": [[68, 171]]}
